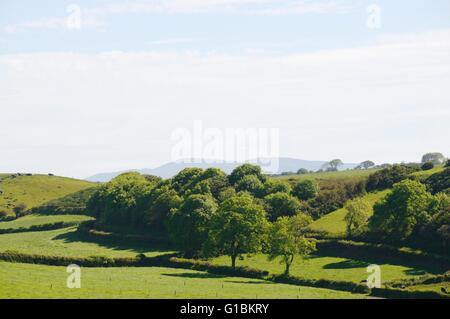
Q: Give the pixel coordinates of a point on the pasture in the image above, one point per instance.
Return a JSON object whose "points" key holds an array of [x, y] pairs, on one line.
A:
{"points": [[37, 281]]}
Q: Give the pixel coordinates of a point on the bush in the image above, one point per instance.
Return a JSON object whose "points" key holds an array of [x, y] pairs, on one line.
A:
{"points": [[305, 190], [427, 166], [438, 182], [387, 177], [43, 227]]}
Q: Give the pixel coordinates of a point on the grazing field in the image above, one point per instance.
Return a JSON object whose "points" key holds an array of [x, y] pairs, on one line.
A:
{"points": [[68, 242], [433, 287], [36, 190], [37, 281], [334, 223], [35, 220], [424, 174], [332, 268], [329, 175]]}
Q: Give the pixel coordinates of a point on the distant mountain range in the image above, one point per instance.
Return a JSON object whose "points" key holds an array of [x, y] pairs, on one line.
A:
{"points": [[170, 169]]}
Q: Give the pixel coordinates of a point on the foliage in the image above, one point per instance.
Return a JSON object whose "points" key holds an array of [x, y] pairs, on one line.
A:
{"points": [[238, 228], [365, 165], [401, 211], [438, 182], [427, 166], [387, 177], [246, 169], [251, 184], [305, 189], [286, 239], [281, 204], [272, 186], [357, 215], [188, 225]]}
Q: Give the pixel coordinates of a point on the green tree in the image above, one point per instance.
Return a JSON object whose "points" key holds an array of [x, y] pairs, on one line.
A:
{"points": [[281, 204], [365, 165], [246, 169], [435, 158], [332, 165], [238, 228], [251, 184], [188, 226], [306, 189], [287, 239], [402, 210], [357, 215], [159, 203], [116, 202], [272, 186], [427, 166]]}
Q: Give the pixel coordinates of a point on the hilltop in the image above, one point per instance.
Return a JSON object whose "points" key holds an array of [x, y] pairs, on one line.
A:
{"points": [[35, 190]]}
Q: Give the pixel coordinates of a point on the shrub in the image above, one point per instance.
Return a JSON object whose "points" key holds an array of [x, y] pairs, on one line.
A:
{"points": [[387, 177], [305, 190], [281, 204], [438, 182], [427, 166]]}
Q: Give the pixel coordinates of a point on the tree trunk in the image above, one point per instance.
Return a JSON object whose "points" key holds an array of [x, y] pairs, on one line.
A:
{"points": [[233, 261], [286, 270]]}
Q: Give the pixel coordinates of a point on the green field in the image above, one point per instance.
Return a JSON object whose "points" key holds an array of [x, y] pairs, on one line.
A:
{"points": [[36, 190], [329, 175], [334, 223], [36, 281], [67, 242], [35, 220], [332, 268], [433, 287]]}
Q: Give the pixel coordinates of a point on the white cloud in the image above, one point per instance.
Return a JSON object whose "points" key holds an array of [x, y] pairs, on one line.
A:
{"points": [[78, 114]]}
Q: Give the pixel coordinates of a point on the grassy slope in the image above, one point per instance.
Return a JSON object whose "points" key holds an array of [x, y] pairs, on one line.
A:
{"points": [[67, 242], [332, 268], [334, 222], [329, 175], [36, 190], [433, 287], [36, 281], [33, 220]]}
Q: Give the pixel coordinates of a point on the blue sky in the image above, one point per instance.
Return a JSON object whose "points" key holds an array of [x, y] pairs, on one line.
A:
{"points": [[108, 95]]}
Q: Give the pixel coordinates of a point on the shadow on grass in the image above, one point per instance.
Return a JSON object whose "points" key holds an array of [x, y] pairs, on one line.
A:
{"points": [[347, 264], [195, 275], [113, 244]]}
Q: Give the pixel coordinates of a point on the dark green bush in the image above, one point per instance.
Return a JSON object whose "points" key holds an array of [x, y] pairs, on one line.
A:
{"points": [[387, 177], [427, 166]]}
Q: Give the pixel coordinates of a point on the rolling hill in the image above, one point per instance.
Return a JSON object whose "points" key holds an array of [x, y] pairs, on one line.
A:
{"points": [[35, 190]]}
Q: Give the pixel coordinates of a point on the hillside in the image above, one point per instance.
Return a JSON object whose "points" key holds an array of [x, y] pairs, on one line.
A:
{"points": [[35, 190], [334, 222]]}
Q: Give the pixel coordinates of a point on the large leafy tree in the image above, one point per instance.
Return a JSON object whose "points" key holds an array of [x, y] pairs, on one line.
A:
{"points": [[281, 204], [401, 211], [357, 215], [287, 239], [188, 225], [116, 202], [238, 228], [305, 190], [246, 169]]}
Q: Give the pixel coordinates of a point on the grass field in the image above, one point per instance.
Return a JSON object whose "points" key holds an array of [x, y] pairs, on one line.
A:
{"points": [[433, 287], [334, 222], [67, 242], [36, 281], [36, 190], [34, 220], [329, 175], [332, 268]]}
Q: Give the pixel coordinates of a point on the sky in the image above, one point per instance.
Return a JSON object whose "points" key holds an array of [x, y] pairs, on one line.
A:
{"points": [[98, 86]]}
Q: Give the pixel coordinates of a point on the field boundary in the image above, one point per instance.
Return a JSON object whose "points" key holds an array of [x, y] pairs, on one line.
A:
{"points": [[42, 227]]}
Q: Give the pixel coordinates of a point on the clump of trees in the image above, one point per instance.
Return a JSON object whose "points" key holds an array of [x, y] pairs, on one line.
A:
{"points": [[427, 166], [387, 177], [411, 214]]}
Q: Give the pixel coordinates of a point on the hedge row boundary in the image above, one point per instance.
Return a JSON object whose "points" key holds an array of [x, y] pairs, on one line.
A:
{"points": [[42, 227], [391, 254]]}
